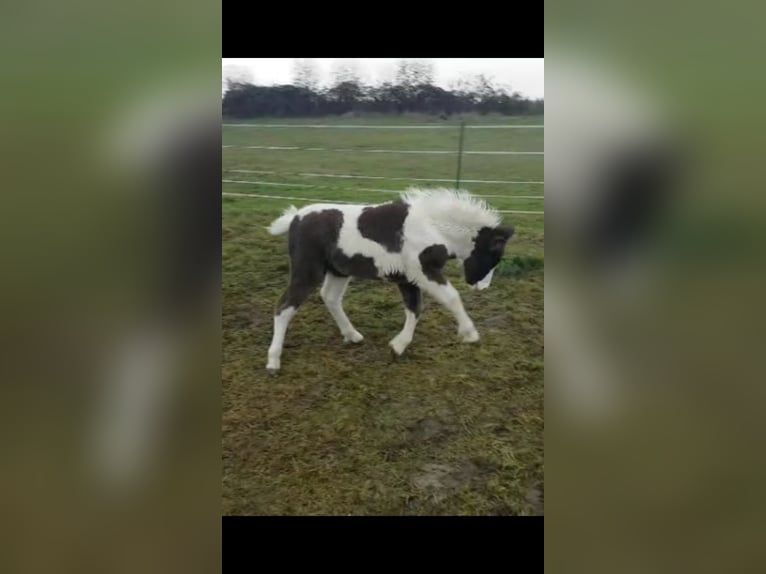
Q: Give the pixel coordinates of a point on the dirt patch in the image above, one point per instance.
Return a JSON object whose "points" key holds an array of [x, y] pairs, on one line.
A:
{"points": [[445, 476], [429, 428], [442, 480], [314, 395]]}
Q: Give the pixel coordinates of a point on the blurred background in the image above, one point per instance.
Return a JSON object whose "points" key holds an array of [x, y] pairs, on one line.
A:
{"points": [[655, 219], [110, 403]]}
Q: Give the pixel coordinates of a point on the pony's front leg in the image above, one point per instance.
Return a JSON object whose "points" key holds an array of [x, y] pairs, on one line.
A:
{"points": [[448, 296], [413, 305], [431, 279]]}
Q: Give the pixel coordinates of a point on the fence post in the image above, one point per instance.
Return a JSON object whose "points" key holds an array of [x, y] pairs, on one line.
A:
{"points": [[460, 155]]}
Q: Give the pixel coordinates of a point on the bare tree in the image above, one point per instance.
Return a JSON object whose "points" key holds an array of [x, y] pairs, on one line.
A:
{"points": [[305, 74], [423, 72], [484, 85], [414, 72], [236, 74], [459, 86], [345, 71], [403, 73]]}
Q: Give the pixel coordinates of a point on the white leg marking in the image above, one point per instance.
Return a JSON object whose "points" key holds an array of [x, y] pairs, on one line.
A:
{"points": [[404, 338], [281, 321], [448, 296], [332, 295]]}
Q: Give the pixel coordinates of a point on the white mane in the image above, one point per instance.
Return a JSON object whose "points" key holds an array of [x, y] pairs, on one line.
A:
{"points": [[452, 210]]}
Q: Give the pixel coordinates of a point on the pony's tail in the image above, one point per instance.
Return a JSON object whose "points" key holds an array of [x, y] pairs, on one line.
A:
{"points": [[282, 223]]}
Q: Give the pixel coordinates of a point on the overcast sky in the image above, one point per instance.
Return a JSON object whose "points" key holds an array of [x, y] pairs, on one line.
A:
{"points": [[524, 75]]}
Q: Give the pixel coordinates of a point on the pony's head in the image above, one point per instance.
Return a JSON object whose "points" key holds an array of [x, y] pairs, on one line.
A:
{"points": [[488, 250]]}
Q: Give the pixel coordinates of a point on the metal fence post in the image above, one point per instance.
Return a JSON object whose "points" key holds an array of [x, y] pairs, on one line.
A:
{"points": [[460, 155]]}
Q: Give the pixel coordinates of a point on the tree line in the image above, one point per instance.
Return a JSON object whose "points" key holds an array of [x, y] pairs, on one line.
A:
{"points": [[412, 91]]}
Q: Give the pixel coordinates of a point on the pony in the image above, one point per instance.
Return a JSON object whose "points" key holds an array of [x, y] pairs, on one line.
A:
{"points": [[407, 241]]}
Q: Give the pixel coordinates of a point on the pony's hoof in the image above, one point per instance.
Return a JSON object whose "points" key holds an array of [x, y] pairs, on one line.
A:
{"points": [[397, 346], [353, 337], [271, 371], [470, 336]]}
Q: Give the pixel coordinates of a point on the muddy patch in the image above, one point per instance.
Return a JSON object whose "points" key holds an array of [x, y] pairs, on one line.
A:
{"points": [[445, 476], [316, 394], [430, 429], [442, 480]]}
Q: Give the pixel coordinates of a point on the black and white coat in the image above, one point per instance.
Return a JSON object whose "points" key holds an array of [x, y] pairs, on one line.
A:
{"points": [[407, 241]]}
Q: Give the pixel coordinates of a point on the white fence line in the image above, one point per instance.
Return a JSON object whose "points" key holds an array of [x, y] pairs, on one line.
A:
{"points": [[260, 196], [392, 127], [411, 151], [352, 176], [392, 151], [377, 190], [232, 194], [309, 185]]}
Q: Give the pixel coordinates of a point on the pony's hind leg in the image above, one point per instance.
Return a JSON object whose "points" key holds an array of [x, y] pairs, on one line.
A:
{"points": [[332, 294], [304, 279]]}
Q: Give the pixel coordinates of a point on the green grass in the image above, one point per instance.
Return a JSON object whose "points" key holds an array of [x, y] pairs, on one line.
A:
{"points": [[519, 266], [449, 428], [447, 139]]}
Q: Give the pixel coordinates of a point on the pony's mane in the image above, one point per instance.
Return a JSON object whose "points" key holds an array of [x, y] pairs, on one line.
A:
{"points": [[452, 209]]}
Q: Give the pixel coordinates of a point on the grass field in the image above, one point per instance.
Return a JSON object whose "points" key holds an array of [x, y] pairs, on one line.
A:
{"points": [[449, 428]]}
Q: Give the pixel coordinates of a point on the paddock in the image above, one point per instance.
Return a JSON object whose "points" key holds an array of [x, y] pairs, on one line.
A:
{"points": [[448, 427]]}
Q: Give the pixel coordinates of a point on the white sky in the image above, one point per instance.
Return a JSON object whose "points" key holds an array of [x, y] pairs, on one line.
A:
{"points": [[524, 75]]}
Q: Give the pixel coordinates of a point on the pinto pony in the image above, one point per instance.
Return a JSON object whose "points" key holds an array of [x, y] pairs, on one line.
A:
{"points": [[407, 241]]}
